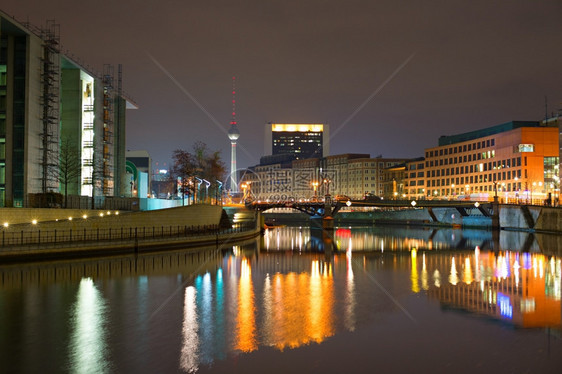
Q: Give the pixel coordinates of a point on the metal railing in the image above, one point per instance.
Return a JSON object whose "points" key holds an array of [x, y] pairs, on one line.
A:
{"points": [[10, 238]]}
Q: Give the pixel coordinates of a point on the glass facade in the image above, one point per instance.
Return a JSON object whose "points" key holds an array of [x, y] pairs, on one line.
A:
{"points": [[3, 108], [302, 143], [20, 67]]}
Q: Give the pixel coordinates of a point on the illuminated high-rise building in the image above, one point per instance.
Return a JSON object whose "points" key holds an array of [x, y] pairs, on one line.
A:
{"points": [[233, 135], [301, 140]]}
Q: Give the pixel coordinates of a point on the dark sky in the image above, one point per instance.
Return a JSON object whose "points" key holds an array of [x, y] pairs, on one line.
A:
{"points": [[389, 77]]}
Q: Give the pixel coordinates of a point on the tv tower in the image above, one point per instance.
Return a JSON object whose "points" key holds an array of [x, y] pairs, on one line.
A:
{"points": [[233, 135]]}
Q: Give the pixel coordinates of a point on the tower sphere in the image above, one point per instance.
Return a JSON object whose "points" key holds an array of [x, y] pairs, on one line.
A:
{"points": [[233, 133]]}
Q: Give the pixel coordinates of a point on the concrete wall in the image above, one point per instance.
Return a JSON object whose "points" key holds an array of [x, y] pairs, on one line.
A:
{"points": [[193, 215], [444, 216], [25, 215], [530, 218]]}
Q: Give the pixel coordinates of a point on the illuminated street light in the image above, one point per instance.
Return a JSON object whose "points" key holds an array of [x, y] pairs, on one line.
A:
{"points": [[34, 222], [6, 224], [314, 187], [413, 203], [348, 203]]}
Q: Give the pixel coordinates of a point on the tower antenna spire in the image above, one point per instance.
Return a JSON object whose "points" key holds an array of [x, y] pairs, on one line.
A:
{"points": [[233, 121], [233, 135]]}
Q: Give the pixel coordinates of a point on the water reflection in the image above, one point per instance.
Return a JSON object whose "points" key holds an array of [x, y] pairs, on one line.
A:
{"points": [[246, 317], [189, 360], [282, 293], [87, 348], [528, 296]]}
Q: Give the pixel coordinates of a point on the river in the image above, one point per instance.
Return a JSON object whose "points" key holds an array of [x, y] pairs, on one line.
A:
{"points": [[362, 300]]}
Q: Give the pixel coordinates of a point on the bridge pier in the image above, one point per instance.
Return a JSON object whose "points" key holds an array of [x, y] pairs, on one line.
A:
{"points": [[328, 223]]}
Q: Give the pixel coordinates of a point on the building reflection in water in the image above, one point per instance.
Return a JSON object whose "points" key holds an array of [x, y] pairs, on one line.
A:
{"points": [[88, 342], [523, 289]]}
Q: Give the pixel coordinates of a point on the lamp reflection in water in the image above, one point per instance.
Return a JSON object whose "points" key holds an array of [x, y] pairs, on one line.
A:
{"points": [[454, 275], [414, 271], [425, 275], [88, 345], [189, 360], [299, 307], [246, 321], [350, 302]]}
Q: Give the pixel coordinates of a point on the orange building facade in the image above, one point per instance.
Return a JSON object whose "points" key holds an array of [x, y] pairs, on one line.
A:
{"points": [[515, 161]]}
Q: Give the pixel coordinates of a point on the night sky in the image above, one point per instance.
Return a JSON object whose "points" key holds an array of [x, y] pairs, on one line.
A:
{"points": [[389, 77]]}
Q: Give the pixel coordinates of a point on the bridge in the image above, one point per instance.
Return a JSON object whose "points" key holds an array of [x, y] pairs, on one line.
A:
{"points": [[328, 208]]}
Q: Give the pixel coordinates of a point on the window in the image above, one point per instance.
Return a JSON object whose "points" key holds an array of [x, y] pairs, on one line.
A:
{"points": [[526, 148]]}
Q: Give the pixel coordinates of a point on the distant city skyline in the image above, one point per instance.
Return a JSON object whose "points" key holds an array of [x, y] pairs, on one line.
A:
{"points": [[389, 77]]}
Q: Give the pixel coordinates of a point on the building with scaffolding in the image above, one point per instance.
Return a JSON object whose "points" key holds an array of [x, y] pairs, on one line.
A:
{"points": [[62, 126]]}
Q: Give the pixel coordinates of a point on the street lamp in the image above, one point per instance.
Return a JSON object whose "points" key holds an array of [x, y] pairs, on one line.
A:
{"points": [[244, 186], [197, 185], [219, 193], [453, 190], [207, 184], [327, 181], [314, 187]]}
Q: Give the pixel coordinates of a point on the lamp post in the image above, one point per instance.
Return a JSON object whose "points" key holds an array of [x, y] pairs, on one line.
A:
{"points": [[314, 187], [219, 193], [244, 186], [516, 189], [453, 190], [197, 185], [327, 183], [207, 184]]}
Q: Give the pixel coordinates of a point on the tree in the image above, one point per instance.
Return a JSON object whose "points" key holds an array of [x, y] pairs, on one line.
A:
{"points": [[70, 166], [182, 169], [202, 164]]}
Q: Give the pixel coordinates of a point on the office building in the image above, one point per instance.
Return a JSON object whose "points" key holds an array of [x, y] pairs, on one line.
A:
{"points": [[515, 161], [48, 99], [299, 140]]}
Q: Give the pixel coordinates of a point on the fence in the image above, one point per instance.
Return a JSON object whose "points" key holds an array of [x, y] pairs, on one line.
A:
{"points": [[76, 236]]}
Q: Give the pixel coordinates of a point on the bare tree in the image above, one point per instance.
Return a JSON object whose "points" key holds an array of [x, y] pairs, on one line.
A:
{"points": [[70, 166]]}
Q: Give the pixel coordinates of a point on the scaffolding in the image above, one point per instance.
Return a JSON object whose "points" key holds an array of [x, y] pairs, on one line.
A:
{"points": [[50, 75], [108, 100]]}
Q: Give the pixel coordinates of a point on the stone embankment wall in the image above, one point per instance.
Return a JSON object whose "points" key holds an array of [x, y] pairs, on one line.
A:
{"points": [[193, 215], [531, 218], [437, 216]]}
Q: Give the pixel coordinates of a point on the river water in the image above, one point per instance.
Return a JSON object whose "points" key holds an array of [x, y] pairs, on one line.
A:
{"points": [[362, 300]]}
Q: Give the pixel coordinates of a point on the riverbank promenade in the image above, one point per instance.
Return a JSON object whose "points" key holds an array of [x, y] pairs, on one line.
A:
{"points": [[44, 234]]}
